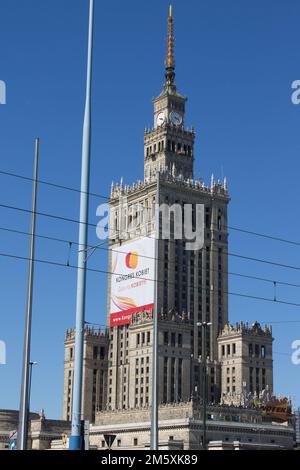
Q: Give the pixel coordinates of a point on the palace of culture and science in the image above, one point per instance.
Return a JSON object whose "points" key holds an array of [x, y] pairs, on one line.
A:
{"points": [[192, 288]]}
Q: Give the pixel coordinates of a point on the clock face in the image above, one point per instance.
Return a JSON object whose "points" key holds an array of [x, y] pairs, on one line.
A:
{"points": [[161, 119], [175, 118]]}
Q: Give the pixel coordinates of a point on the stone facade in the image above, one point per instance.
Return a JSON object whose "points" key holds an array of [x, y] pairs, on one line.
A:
{"points": [[94, 393], [41, 432], [192, 283], [245, 355], [180, 427], [182, 423]]}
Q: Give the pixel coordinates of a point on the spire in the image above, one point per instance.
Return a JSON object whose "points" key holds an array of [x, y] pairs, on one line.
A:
{"points": [[170, 58], [170, 62]]}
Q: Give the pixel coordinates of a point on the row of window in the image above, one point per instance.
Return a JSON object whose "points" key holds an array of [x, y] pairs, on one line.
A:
{"points": [[99, 352], [135, 442], [173, 339], [175, 382], [257, 350], [143, 339], [155, 148], [172, 146], [230, 350]]}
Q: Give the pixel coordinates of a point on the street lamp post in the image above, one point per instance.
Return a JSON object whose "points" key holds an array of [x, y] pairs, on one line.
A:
{"points": [[154, 434], [75, 441], [23, 417], [204, 326]]}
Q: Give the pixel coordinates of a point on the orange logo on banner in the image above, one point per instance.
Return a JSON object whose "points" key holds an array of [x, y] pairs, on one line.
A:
{"points": [[131, 260]]}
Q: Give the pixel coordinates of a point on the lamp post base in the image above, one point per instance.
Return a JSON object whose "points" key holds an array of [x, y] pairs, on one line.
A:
{"points": [[75, 443]]}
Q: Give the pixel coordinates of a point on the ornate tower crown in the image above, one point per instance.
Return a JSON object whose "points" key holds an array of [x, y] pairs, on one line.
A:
{"points": [[169, 145]]}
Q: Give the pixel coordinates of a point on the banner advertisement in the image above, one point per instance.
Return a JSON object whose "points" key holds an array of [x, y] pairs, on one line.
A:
{"points": [[132, 275]]}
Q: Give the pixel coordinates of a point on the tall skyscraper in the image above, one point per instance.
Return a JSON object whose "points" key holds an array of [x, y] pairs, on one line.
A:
{"points": [[192, 288], [192, 284]]}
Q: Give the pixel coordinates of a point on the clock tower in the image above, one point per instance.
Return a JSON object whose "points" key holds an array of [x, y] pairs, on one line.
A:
{"points": [[169, 145]]}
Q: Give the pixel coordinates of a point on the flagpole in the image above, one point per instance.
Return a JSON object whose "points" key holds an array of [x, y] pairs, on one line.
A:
{"points": [[75, 442]]}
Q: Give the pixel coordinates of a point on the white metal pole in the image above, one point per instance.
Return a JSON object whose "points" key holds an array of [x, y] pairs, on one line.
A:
{"points": [[24, 399]]}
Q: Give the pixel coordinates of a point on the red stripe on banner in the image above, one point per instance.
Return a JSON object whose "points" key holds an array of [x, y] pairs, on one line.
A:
{"points": [[124, 317]]}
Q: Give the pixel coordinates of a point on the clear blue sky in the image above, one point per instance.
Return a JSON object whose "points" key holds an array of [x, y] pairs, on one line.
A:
{"points": [[235, 62]]}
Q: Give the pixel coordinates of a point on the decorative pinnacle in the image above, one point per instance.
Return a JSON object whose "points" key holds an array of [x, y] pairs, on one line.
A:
{"points": [[170, 62], [170, 58]]}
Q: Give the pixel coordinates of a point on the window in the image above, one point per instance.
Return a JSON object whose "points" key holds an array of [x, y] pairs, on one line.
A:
{"points": [[223, 350], [173, 339], [119, 442], [228, 349], [138, 339], [135, 441], [102, 443], [166, 338], [179, 340], [256, 350], [263, 352], [233, 348], [71, 353]]}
